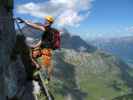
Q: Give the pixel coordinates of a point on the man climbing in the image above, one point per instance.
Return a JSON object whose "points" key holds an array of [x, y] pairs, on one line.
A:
{"points": [[41, 52]]}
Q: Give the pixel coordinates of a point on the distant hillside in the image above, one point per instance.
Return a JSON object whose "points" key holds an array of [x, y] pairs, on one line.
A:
{"points": [[92, 76], [124, 97], [76, 43], [121, 47], [84, 73]]}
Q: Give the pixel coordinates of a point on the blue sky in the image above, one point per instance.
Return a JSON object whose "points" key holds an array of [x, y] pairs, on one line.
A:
{"points": [[106, 18]]}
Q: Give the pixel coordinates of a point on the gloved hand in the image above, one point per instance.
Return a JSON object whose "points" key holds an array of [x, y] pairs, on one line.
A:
{"points": [[20, 20]]}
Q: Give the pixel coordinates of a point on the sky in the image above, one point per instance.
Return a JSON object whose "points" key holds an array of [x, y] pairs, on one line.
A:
{"points": [[87, 18]]}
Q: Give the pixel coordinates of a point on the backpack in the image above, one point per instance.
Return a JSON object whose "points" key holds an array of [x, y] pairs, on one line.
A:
{"points": [[51, 39], [56, 39]]}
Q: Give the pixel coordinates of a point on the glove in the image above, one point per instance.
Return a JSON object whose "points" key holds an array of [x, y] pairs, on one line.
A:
{"points": [[20, 20]]}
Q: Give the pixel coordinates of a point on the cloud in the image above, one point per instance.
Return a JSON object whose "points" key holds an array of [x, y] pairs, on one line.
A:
{"points": [[69, 13], [130, 29]]}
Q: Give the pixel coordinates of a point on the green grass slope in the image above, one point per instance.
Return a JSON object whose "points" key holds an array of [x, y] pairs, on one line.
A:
{"points": [[89, 76]]}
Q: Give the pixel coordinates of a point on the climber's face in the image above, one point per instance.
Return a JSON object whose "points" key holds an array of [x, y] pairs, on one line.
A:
{"points": [[46, 23]]}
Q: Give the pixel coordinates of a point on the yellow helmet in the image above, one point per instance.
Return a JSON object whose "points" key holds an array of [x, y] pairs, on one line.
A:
{"points": [[49, 18]]}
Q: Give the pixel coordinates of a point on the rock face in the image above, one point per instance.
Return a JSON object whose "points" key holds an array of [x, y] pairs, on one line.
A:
{"points": [[12, 71], [7, 41]]}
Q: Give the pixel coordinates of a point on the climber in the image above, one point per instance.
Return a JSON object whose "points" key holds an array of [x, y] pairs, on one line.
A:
{"points": [[41, 52]]}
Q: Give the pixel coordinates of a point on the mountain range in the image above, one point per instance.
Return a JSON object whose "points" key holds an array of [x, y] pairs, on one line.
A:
{"points": [[121, 47]]}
